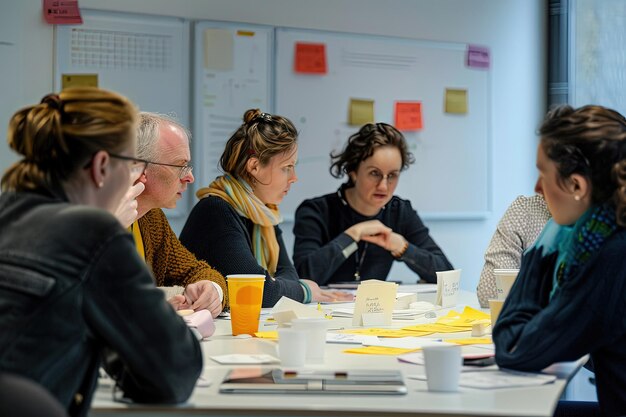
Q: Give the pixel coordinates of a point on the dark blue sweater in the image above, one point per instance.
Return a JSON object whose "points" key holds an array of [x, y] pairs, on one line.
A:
{"points": [[215, 233], [587, 315]]}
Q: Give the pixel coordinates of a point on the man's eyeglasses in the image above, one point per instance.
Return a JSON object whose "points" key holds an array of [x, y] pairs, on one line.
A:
{"points": [[184, 169], [137, 166]]}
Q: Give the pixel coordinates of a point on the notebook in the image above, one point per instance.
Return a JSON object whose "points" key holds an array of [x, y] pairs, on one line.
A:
{"points": [[277, 381]]}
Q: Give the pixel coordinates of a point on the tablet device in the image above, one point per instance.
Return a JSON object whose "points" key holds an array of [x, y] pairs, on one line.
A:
{"points": [[277, 381]]}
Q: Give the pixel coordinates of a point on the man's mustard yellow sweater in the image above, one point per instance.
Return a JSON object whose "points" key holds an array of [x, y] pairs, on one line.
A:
{"points": [[171, 262]]}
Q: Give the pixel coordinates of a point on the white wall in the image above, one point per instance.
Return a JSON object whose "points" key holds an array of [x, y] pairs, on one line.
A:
{"points": [[515, 30]]}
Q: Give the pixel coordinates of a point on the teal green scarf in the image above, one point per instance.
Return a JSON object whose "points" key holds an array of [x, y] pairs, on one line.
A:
{"points": [[575, 244]]}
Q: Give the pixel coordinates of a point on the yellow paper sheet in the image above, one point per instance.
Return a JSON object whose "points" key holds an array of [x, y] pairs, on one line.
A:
{"points": [[378, 350], [374, 331], [434, 328], [272, 335], [471, 341], [465, 319]]}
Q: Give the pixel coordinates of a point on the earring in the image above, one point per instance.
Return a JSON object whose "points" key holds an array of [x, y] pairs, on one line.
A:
{"points": [[101, 184], [577, 197]]}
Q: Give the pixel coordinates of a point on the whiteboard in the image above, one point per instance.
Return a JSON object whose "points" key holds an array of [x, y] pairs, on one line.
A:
{"points": [[450, 178], [144, 57], [232, 73]]}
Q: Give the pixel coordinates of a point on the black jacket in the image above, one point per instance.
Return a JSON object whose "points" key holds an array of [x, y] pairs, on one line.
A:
{"points": [[72, 287], [320, 248]]}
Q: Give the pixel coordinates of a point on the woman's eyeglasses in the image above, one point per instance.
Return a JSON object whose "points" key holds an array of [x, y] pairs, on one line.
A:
{"points": [[137, 166], [376, 177]]}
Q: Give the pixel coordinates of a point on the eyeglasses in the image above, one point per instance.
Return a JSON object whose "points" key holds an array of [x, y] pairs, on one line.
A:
{"points": [[184, 169], [376, 177], [137, 166]]}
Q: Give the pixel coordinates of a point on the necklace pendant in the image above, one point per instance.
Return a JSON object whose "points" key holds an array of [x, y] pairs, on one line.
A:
{"points": [[357, 277]]}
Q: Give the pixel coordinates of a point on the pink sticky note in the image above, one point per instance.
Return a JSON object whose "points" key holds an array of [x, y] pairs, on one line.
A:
{"points": [[477, 56], [62, 12]]}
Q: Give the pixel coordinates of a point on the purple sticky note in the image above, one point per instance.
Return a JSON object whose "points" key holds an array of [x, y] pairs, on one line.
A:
{"points": [[477, 56]]}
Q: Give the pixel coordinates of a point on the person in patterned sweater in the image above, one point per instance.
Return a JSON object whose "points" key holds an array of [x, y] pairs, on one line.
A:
{"points": [[517, 230], [164, 144]]}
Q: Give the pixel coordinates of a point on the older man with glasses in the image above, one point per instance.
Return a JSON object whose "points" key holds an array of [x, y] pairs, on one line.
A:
{"points": [[163, 157]]}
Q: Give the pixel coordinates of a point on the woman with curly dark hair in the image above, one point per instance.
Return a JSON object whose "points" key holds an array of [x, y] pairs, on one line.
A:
{"points": [[569, 299], [358, 231]]}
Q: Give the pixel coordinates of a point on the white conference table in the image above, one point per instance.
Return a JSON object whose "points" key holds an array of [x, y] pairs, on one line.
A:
{"points": [[533, 401]]}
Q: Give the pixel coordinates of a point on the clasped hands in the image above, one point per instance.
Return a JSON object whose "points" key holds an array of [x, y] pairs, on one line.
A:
{"points": [[198, 296], [374, 231]]}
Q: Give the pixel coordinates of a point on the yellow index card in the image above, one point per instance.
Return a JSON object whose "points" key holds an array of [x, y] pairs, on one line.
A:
{"points": [[456, 101], [218, 50], [79, 80], [361, 112]]}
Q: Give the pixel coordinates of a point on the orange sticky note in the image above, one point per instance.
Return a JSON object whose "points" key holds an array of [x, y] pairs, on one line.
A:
{"points": [[310, 58], [408, 115]]}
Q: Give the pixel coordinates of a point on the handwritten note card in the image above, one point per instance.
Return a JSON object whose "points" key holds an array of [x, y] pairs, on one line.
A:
{"points": [[310, 58], [374, 303], [408, 115], [448, 287]]}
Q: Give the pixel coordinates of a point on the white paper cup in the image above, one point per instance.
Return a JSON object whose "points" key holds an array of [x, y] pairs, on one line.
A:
{"points": [[443, 367], [504, 281], [291, 347], [315, 331]]}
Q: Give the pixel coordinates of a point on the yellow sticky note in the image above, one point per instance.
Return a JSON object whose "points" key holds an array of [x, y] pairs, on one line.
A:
{"points": [[272, 335], [456, 101], [218, 49], [361, 112], [79, 80], [378, 350], [471, 341]]}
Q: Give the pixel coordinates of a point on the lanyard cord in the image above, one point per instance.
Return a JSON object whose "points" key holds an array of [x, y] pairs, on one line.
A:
{"points": [[359, 261]]}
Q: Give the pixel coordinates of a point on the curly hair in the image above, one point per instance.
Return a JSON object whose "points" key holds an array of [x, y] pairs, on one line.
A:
{"points": [[589, 141], [262, 135], [362, 145]]}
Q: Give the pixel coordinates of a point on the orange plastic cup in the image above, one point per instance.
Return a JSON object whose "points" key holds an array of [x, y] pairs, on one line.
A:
{"points": [[245, 293]]}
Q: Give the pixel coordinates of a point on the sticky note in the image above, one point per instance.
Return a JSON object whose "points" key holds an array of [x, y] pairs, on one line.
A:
{"points": [[477, 56], [310, 58], [218, 49], [361, 112], [408, 115], [78, 80], [64, 12], [456, 101]]}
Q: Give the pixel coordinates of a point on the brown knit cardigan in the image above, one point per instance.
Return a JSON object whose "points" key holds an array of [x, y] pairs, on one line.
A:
{"points": [[171, 262]]}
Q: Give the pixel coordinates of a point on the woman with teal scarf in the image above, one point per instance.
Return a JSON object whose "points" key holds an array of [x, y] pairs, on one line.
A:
{"points": [[569, 299]]}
